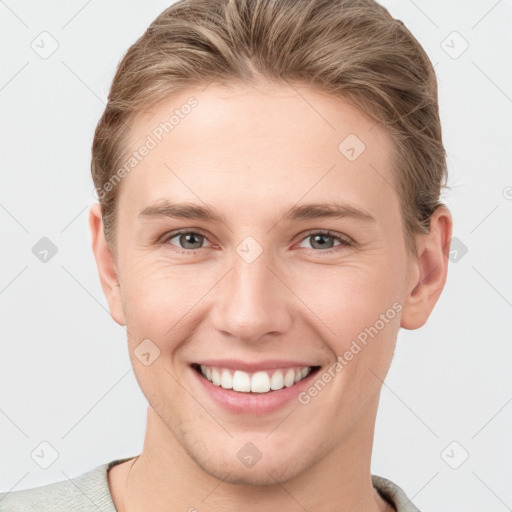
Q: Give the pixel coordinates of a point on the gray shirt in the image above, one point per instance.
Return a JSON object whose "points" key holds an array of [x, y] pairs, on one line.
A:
{"points": [[90, 492]]}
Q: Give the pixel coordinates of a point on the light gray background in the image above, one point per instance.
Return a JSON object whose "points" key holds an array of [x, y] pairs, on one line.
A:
{"points": [[65, 373]]}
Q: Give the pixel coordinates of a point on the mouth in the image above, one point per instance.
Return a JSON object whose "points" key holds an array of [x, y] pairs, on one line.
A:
{"points": [[259, 382]]}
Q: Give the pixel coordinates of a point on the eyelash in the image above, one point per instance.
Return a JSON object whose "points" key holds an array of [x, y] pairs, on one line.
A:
{"points": [[344, 241]]}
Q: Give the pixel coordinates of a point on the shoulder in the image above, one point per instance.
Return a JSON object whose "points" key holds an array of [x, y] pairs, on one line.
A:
{"points": [[88, 491], [393, 494]]}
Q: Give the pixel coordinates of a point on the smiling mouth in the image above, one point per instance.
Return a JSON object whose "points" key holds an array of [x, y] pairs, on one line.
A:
{"points": [[256, 382]]}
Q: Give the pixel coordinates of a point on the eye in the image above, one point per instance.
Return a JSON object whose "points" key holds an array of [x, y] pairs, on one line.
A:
{"points": [[324, 241], [321, 241], [186, 240]]}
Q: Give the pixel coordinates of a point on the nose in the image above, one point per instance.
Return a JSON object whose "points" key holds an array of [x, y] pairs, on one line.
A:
{"points": [[251, 302]]}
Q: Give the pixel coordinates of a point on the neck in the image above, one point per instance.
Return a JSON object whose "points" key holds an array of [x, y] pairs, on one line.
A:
{"points": [[165, 478]]}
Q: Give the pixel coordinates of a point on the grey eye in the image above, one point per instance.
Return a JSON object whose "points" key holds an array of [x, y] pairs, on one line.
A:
{"points": [[321, 241], [189, 241]]}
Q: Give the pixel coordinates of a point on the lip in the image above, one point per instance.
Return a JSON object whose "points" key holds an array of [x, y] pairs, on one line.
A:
{"points": [[251, 403], [270, 364]]}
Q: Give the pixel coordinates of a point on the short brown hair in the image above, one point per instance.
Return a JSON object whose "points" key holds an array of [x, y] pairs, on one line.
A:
{"points": [[353, 49]]}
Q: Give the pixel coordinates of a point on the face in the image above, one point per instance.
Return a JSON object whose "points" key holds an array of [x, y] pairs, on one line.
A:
{"points": [[294, 280]]}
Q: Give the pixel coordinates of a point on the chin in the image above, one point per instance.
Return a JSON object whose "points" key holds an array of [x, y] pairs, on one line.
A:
{"points": [[274, 467], [262, 475]]}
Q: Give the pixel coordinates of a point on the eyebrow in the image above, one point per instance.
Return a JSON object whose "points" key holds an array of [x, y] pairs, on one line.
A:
{"points": [[302, 212]]}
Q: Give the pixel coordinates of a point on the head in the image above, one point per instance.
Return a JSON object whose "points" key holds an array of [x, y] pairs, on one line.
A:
{"points": [[269, 176]]}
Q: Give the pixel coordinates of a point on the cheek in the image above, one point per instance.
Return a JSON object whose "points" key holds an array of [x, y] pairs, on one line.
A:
{"points": [[359, 307], [350, 297], [160, 297]]}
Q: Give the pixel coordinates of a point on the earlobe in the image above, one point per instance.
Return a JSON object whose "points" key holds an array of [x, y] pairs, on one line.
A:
{"points": [[432, 268], [106, 265]]}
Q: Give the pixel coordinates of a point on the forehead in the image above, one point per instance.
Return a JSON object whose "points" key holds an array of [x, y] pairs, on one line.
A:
{"points": [[247, 146]]}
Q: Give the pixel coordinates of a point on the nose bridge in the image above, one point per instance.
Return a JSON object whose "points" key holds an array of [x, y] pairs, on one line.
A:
{"points": [[252, 302]]}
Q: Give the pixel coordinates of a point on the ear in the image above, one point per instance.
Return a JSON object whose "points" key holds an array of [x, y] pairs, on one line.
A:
{"points": [[431, 266], [106, 264]]}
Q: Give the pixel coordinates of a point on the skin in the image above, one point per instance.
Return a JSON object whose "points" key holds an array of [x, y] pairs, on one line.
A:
{"points": [[253, 152]]}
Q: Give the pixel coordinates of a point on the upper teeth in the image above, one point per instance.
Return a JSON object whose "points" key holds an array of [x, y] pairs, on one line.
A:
{"points": [[258, 382]]}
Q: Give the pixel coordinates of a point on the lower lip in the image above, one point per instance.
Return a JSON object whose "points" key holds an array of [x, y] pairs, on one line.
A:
{"points": [[252, 403]]}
